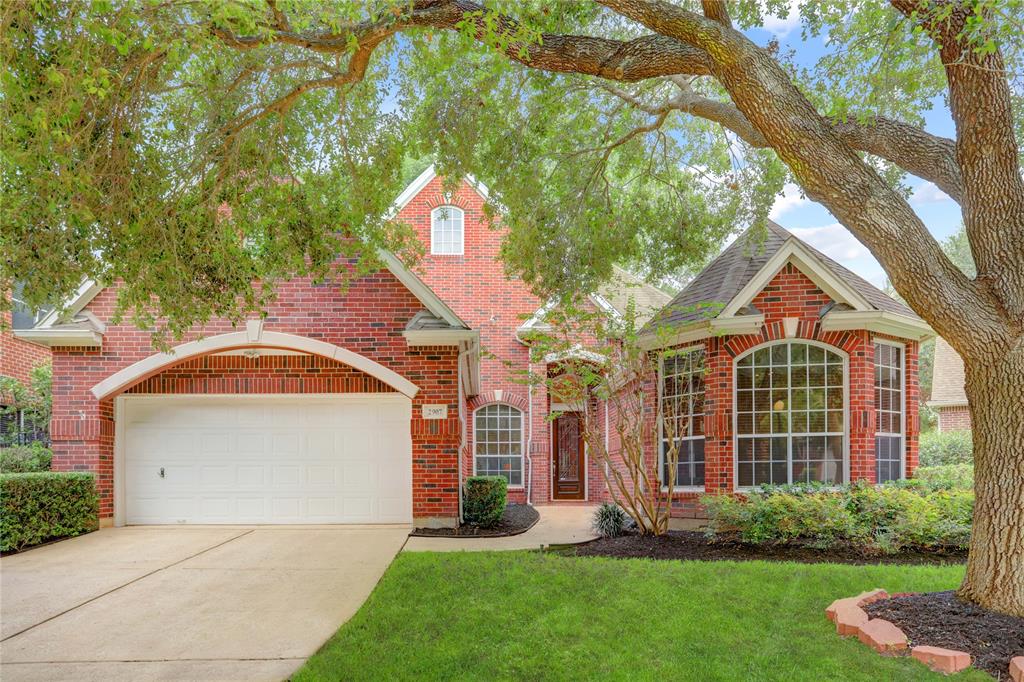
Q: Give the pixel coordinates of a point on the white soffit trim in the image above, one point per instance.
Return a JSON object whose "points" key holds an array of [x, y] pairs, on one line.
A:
{"points": [[87, 291], [947, 403], [702, 329], [61, 337], [424, 293], [146, 367], [439, 337], [878, 321], [809, 264], [421, 181]]}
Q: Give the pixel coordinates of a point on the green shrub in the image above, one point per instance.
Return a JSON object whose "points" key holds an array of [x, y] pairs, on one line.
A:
{"points": [[945, 477], [609, 520], [20, 459], [949, 447], [484, 500], [876, 519], [39, 506]]}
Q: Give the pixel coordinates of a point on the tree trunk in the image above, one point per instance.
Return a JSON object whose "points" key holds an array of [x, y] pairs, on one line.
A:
{"points": [[995, 566]]}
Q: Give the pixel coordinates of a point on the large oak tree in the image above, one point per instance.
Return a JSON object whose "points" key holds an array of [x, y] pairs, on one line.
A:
{"points": [[630, 131]]}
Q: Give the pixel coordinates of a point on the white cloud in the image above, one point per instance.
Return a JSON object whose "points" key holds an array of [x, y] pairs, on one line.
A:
{"points": [[782, 27], [835, 241], [789, 200], [928, 193]]}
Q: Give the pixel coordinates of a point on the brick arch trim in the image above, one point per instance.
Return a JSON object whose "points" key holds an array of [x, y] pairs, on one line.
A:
{"points": [[498, 396], [253, 337]]}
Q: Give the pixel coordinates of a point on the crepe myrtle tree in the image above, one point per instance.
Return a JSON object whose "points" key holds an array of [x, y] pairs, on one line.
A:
{"points": [[631, 131], [597, 366]]}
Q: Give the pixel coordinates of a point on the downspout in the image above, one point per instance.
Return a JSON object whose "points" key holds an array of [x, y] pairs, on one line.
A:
{"points": [[529, 445], [462, 419]]}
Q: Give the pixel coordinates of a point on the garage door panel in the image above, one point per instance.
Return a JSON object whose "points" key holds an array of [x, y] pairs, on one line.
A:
{"points": [[312, 459]]}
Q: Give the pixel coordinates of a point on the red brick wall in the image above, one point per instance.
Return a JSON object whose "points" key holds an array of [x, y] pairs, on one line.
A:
{"points": [[954, 418], [368, 318], [790, 294], [18, 357], [476, 287]]}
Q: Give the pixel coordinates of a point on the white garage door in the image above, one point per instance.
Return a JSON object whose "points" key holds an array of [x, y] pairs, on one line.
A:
{"points": [[242, 459]]}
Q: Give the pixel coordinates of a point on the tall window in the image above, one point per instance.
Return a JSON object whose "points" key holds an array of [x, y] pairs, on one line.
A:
{"points": [[790, 418], [499, 442], [682, 415], [888, 411], [446, 231]]}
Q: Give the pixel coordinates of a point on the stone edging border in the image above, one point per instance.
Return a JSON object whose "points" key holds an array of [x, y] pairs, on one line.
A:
{"points": [[888, 640]]}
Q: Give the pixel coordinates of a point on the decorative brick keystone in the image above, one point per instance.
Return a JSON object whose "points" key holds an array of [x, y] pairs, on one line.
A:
{"points": [[871, 596], [1017, 669], [883, 637], [849, 618], [942, 660]]}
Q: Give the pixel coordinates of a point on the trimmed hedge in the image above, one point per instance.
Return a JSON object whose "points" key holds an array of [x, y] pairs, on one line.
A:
{"points": [[949, 447], [484, 500], [19, 459], [40, 506], [876, 519]]}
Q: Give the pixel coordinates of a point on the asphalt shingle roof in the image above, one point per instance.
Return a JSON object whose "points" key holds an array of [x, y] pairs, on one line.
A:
{"points": [[717, 284], [947, 375]]}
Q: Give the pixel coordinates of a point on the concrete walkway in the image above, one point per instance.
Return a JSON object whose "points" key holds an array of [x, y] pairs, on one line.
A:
{"points": [[558, 525], [185, 603]]}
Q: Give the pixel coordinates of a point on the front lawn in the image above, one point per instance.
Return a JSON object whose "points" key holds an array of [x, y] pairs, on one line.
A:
{"points": [[531, 616]]}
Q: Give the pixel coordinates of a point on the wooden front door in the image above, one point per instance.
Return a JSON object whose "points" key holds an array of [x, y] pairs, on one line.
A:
{"points": [[567, 457]]}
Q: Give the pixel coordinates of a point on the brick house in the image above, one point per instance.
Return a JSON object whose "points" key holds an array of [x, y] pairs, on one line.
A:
{"points": [[782, 366], [334, 407], [948, 398], [18, 358], [372, 404]]}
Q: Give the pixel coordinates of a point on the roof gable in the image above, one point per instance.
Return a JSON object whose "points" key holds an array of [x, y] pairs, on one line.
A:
{"points": [[735, 277], [420, 183]]}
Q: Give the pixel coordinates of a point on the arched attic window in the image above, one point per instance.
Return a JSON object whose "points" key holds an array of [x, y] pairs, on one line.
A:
{"points": [[446, 231]]}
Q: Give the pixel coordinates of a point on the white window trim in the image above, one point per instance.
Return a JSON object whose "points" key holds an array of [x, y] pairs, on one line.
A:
{"points": [[903, 404], [789, 455], [462, 232], [661, 424], [522, 444]]}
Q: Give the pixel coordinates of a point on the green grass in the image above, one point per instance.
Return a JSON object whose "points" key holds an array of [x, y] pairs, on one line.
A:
{"points": [[531, 616]]}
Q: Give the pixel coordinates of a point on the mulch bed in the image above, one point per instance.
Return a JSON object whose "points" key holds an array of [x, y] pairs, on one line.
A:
{"points": [[694, 545], [518, 518], [940, 619]]}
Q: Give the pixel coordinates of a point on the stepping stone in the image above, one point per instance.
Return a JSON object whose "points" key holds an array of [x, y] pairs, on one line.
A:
{"points": [[883, 637], [942, 660]]}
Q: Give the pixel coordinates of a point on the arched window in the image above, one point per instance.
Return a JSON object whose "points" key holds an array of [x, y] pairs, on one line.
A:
{"points": [[446, 233], [498, 442], [790, 415]]}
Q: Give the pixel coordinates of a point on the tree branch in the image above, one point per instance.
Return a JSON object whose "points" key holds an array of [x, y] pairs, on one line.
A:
{"points": [[832, 173]]}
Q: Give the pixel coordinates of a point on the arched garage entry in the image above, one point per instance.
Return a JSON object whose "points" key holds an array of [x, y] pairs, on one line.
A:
{"points": [[254, 457]]}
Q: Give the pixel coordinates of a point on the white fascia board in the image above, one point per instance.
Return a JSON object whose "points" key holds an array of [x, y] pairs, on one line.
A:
{"points": [[877, 321], [424, 293], [809, 264], [87, 291], [61, 337], [692, 332], [421, 181], [439, 337], [602, 303], [744, 324]]}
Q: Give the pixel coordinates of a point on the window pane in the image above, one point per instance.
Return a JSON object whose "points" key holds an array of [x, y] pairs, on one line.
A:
{"points": [[793, 399], [888, 412], [498, 442]]}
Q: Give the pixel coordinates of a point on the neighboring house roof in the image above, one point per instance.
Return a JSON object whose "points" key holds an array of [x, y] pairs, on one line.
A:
{"points": [[719, 297], [947, 377]]}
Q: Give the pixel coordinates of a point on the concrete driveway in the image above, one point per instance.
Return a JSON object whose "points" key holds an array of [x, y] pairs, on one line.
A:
{"points": [[174, 603]]}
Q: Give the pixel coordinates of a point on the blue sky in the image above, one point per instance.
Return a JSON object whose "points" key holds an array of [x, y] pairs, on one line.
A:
{"points": [[810, 221]]}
